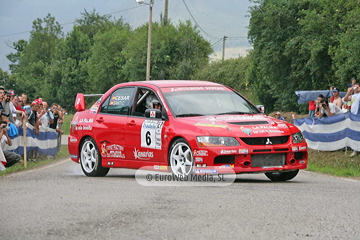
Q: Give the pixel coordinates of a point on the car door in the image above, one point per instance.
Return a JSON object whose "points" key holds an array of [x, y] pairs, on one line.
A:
{"points": [[144, 135], [110, 124]]}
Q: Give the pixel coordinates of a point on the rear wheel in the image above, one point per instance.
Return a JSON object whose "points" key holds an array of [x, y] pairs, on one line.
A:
{"points": [[90, 159], [282, 176], [181, 159]]}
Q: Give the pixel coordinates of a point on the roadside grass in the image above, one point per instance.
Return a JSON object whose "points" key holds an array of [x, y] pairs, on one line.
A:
{"points": [[63, 153], [336, 163]]}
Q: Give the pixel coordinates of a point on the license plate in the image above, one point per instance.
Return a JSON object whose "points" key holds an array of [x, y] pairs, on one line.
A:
{"points": [[268, 160]]}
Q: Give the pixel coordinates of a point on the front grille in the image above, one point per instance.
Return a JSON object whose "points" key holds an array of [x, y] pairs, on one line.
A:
{"points": [[268, 160], [265, 140], [249, 123]]}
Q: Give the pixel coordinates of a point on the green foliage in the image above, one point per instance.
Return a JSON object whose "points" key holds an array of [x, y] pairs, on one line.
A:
{"points": [[302, 45]]}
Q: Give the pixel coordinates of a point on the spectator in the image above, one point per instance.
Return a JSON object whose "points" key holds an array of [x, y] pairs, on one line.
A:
{"points": [[353, 95], [26, 104], [317, 103], [312, 107], [7, 106], [43, 120], [2, 112], [19, 113], [48, 114], [278, 116], [32, 117], [10, 157], [57, 118], [353, 81], [337, 99], [328, 109]]}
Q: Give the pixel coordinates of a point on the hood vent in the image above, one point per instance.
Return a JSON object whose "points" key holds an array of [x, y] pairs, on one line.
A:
{"points": [[249, 123]]}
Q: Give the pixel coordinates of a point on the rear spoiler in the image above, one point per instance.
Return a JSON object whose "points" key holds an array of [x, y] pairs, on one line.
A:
{"points": [[80, 104]]}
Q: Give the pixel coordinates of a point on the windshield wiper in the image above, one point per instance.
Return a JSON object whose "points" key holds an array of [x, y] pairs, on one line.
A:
{"points": [[189, 115], [233, 112]]}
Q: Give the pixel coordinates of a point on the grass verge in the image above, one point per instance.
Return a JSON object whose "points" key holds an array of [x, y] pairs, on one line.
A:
{"points": [[336, 163], [63, 153]]}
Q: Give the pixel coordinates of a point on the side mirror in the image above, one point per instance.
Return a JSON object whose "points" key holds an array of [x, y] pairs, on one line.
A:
{"points": [[153, 113], [261, 108]]}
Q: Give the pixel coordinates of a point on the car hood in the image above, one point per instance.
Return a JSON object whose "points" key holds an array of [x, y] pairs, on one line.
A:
{"points": [[254, 125]]}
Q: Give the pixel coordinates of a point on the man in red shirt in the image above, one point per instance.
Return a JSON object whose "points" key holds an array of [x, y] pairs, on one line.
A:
{"points": [[312, 107]]}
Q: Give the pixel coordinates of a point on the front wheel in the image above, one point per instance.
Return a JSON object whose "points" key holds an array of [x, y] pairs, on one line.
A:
{"points": [[181, 159], [282, 176], [90, 159]]}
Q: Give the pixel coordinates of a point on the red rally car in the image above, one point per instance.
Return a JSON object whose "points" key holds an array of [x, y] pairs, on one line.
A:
{"points": [[184, 127]]}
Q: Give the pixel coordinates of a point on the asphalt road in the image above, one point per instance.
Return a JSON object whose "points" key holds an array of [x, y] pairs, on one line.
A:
{"points": [[58, 202]]}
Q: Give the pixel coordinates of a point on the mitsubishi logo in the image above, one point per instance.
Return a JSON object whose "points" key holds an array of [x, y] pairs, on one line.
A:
{"points": [[268, 141]]}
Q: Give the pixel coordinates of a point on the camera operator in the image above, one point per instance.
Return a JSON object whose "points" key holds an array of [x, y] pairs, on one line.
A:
{"points": [[10, 157], [353, 95], [328, 109], [318, 105]]}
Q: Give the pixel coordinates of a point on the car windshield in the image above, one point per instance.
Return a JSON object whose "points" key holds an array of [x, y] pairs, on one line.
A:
{"points": [[207, 102]]}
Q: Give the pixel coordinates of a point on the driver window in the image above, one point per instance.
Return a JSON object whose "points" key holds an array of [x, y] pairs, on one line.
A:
{"points": [[145, 99]]}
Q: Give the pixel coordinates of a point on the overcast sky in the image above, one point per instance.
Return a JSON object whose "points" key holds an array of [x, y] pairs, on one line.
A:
{"points": [[215, 18]]}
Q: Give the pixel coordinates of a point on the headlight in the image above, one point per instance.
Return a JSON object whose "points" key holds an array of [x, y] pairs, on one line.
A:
{"points": [[209, 141], [298, 137]]}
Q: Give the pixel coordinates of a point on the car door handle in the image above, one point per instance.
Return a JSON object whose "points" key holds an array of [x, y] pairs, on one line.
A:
{"points": [[131, 123], [100, 120]]}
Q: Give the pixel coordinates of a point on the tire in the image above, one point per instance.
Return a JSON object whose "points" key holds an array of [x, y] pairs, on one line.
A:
{"points": [[90, 159], [181, 159], [282, 176]]}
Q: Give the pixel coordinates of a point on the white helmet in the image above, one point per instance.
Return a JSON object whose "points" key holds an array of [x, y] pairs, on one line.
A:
{"points": [[150, 101]]}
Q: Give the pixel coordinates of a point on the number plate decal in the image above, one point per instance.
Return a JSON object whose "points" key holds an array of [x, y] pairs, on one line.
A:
{"points": [[151, 134]]}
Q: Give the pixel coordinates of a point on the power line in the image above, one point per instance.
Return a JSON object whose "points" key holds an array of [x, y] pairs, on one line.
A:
{"points": [[11, 34]]}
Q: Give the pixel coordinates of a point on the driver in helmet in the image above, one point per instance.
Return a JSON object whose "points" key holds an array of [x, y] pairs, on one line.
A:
{"points": [[152, 102]]}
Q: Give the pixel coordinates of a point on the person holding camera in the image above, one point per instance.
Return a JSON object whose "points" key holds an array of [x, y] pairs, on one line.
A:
{"points": [[328, 109], [353, 95], [10, 157]]}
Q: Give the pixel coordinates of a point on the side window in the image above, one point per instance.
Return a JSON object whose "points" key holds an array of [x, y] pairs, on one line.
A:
{"points": [[144, 99], [119, 102]]}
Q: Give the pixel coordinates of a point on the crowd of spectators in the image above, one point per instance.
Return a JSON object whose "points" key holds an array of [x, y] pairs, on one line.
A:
{"points": [[324, 107], [17, 110]]}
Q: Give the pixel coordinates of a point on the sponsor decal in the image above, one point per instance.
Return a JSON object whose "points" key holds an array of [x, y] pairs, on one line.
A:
{"points": [[210, 125], [201, 165], [151, 134], [302, 148], [163, 167], [295, 149], [227, 166], [179, 89], [110, 163], [235, 118], [248, 131], [73, 124], [152, 114], [211, 171], [83, 128], [156, 167], [272, 167], [243, 151], [74, 156], [73, 140], [112, 151], [198, 159], [143, 155], [269, 131], [268, 142], [302, 162], [264, 127], [86, 120], [224, 151], [200, 152], [94, 109]]}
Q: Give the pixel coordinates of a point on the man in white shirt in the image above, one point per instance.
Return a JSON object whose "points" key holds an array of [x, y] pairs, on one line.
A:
{"points": [[10, 157], [328, 109]]}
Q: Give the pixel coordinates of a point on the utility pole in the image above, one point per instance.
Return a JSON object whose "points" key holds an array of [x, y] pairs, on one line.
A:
{"points": [[223, 53], [166, 17]]}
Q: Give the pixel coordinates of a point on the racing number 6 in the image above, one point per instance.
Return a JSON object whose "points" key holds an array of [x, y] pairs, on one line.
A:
{"points": [[148, 138]]}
